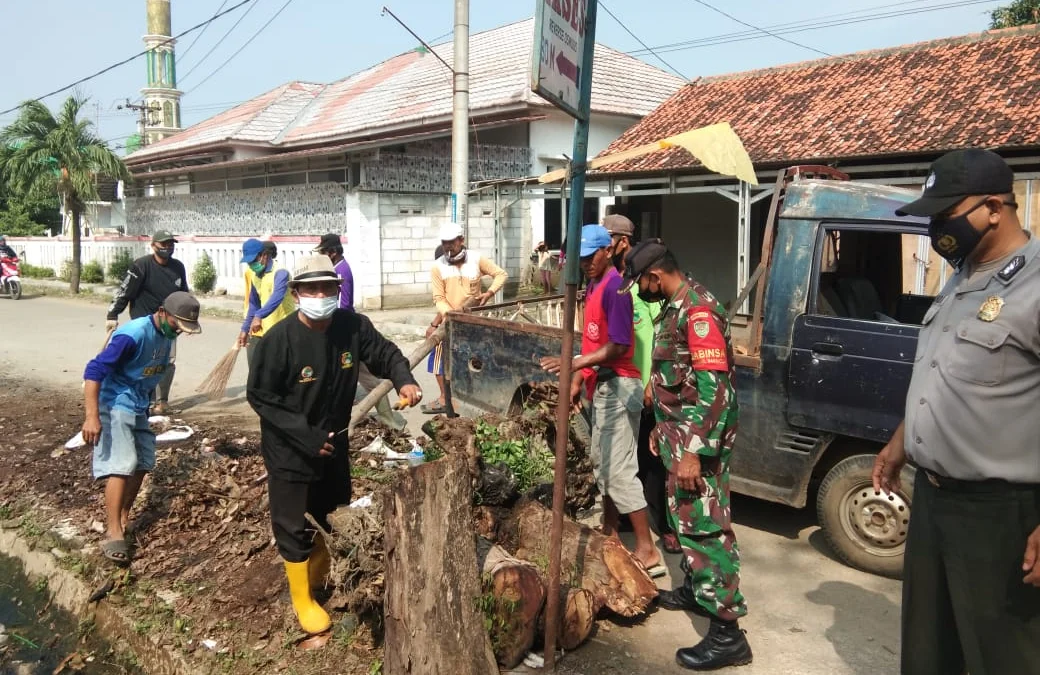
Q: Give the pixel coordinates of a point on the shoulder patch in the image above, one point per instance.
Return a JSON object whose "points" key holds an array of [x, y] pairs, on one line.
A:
{"points": [[707, 343], [1013, 267]]}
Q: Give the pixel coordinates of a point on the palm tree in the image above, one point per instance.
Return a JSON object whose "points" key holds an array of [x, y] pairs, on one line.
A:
{"points": [[59, 154]]}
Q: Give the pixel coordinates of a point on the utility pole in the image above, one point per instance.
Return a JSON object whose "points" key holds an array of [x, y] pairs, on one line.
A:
{"points": [[142, 117], [460, 120]]}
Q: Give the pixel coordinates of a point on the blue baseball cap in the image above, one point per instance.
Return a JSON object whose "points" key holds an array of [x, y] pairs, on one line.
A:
{"points": [[593, 238], [251, 248]]}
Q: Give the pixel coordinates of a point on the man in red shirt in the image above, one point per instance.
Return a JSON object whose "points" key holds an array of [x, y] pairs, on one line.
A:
{"points": [[610, 380]]}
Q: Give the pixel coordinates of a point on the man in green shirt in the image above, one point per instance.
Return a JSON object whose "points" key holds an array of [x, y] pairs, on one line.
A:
{"points": [[651, 470]]}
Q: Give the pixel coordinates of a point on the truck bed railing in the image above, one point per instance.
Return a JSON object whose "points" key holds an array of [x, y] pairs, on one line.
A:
{"points": [[540, 311]]}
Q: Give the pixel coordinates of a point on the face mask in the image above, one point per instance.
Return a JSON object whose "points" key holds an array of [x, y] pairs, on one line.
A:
{"points": [[319, 309], [167, 330], [458, 257], [257, 267], [651, 296], [955, 238], [164, 252]]}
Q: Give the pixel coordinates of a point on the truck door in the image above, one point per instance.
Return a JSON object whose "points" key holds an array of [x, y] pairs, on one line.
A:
{"points": [[853, 349]]}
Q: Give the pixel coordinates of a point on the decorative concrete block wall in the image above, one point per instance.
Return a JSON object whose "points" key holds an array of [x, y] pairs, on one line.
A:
{"points": [[284, 210]]}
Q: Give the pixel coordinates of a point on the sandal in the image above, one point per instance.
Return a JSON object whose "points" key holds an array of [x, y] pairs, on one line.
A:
{"points": [[670, 543], [117, 551], [655, 571], [435, 409]]}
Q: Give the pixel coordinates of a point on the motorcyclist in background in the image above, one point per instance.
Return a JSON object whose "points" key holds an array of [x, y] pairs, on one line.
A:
{"points": [[5, 250]]}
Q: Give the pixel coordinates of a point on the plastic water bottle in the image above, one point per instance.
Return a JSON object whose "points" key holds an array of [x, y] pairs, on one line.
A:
{"points": [[416, 456]]}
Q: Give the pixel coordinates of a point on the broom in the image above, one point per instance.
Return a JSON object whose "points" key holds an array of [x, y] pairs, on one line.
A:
{"points": [[108, 336], [215, 385]]}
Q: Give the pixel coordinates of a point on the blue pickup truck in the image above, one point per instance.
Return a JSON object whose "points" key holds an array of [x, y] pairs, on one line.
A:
{"points": [[823, 359]]}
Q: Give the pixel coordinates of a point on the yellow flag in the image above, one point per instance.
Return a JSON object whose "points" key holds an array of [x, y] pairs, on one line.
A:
{"points": [[717, 147]]}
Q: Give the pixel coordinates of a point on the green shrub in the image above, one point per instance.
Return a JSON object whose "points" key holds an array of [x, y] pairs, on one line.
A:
{"points": [[120, 265], [66, 271], [204, 276], [33, 272], [93, 273]]}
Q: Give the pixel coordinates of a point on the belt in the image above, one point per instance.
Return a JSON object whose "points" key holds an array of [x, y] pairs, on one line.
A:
{"points": [[989, 485], [605, 374]]}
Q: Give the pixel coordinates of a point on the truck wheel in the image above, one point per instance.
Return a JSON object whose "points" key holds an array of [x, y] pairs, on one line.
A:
{"points": [[866, 530]]}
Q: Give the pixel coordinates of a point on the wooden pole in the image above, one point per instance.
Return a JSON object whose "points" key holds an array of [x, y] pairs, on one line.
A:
{"points": [[573, 277]]}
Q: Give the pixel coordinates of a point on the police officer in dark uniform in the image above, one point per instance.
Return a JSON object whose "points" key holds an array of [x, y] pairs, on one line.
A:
{"points": [[971, 580]]}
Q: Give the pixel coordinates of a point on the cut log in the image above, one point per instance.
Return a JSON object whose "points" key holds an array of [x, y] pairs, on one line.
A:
{"points": [[577, 617], [514, 596], [433, 623], [589, 560]]}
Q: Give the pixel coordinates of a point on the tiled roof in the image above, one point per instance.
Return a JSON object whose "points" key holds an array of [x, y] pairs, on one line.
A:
{"points": [[975, 90], [258, 120], [412, 89]]}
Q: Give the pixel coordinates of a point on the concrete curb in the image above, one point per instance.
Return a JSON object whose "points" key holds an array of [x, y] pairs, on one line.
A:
{"points": [[70, 593]]}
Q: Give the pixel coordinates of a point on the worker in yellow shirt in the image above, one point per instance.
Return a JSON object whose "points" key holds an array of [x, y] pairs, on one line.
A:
{"points": [[267, 298]]}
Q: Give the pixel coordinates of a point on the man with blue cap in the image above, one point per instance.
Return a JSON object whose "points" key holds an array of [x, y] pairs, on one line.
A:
{"points": [[268, 300], [610, 380]]}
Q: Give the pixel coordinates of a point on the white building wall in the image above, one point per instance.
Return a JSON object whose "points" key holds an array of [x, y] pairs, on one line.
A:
{"points": [[553, 137], [362, 247]]}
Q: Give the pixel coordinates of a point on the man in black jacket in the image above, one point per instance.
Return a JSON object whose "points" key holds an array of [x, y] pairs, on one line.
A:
{"points": [[146, 285], [302, 384]]}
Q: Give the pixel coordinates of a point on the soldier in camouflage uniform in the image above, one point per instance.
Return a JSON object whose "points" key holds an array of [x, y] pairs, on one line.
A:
{"points": [[695, 404]]}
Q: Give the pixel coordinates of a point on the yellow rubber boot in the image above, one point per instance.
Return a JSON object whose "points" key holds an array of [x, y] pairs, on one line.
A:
{"points": [[313, 619], [318, 564]]}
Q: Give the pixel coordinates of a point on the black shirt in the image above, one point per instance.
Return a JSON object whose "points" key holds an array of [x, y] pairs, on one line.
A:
{"points": [[146, 286], [302, 384]]}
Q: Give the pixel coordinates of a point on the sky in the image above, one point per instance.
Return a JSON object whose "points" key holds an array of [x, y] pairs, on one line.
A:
{"points": [[47, 44]]}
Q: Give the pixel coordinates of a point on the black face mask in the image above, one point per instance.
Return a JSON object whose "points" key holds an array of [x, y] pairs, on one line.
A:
{"points": [[955, 238], [651, 296]]}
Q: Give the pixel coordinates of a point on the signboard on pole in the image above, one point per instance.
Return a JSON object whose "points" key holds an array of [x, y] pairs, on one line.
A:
{"points": [[559, 52]]}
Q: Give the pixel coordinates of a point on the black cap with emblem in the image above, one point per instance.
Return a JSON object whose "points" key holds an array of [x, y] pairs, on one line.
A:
{"points": [[960, 174]]}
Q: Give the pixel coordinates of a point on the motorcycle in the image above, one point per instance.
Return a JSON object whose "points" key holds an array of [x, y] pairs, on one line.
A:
{"points": [[10, 281]]}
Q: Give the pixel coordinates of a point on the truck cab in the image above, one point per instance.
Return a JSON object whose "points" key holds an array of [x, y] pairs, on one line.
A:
{"points": [[823, 360]]}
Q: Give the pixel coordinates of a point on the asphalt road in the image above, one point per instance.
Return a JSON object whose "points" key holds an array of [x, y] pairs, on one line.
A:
{"points": [[809, 614]]}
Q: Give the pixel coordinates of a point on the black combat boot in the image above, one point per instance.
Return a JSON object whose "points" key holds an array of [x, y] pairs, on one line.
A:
{"points": [[724, 645]]}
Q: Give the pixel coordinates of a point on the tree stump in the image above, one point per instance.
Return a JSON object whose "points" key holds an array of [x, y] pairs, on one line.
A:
{"points": [[517, 595], [577, 617], [589, 560], [433, 623]]}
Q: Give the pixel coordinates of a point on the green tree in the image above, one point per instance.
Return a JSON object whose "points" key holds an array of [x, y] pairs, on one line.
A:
{"points": [[15, 221], [1017, 13], [24, 215], [60, 154]]}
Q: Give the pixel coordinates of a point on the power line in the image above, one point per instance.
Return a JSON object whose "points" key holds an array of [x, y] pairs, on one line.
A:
{"points": [[797, 27], [185, 52], [135, 56], [218, 43], [239, 50], [636, 37], [745, 23], [789, 24]]}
